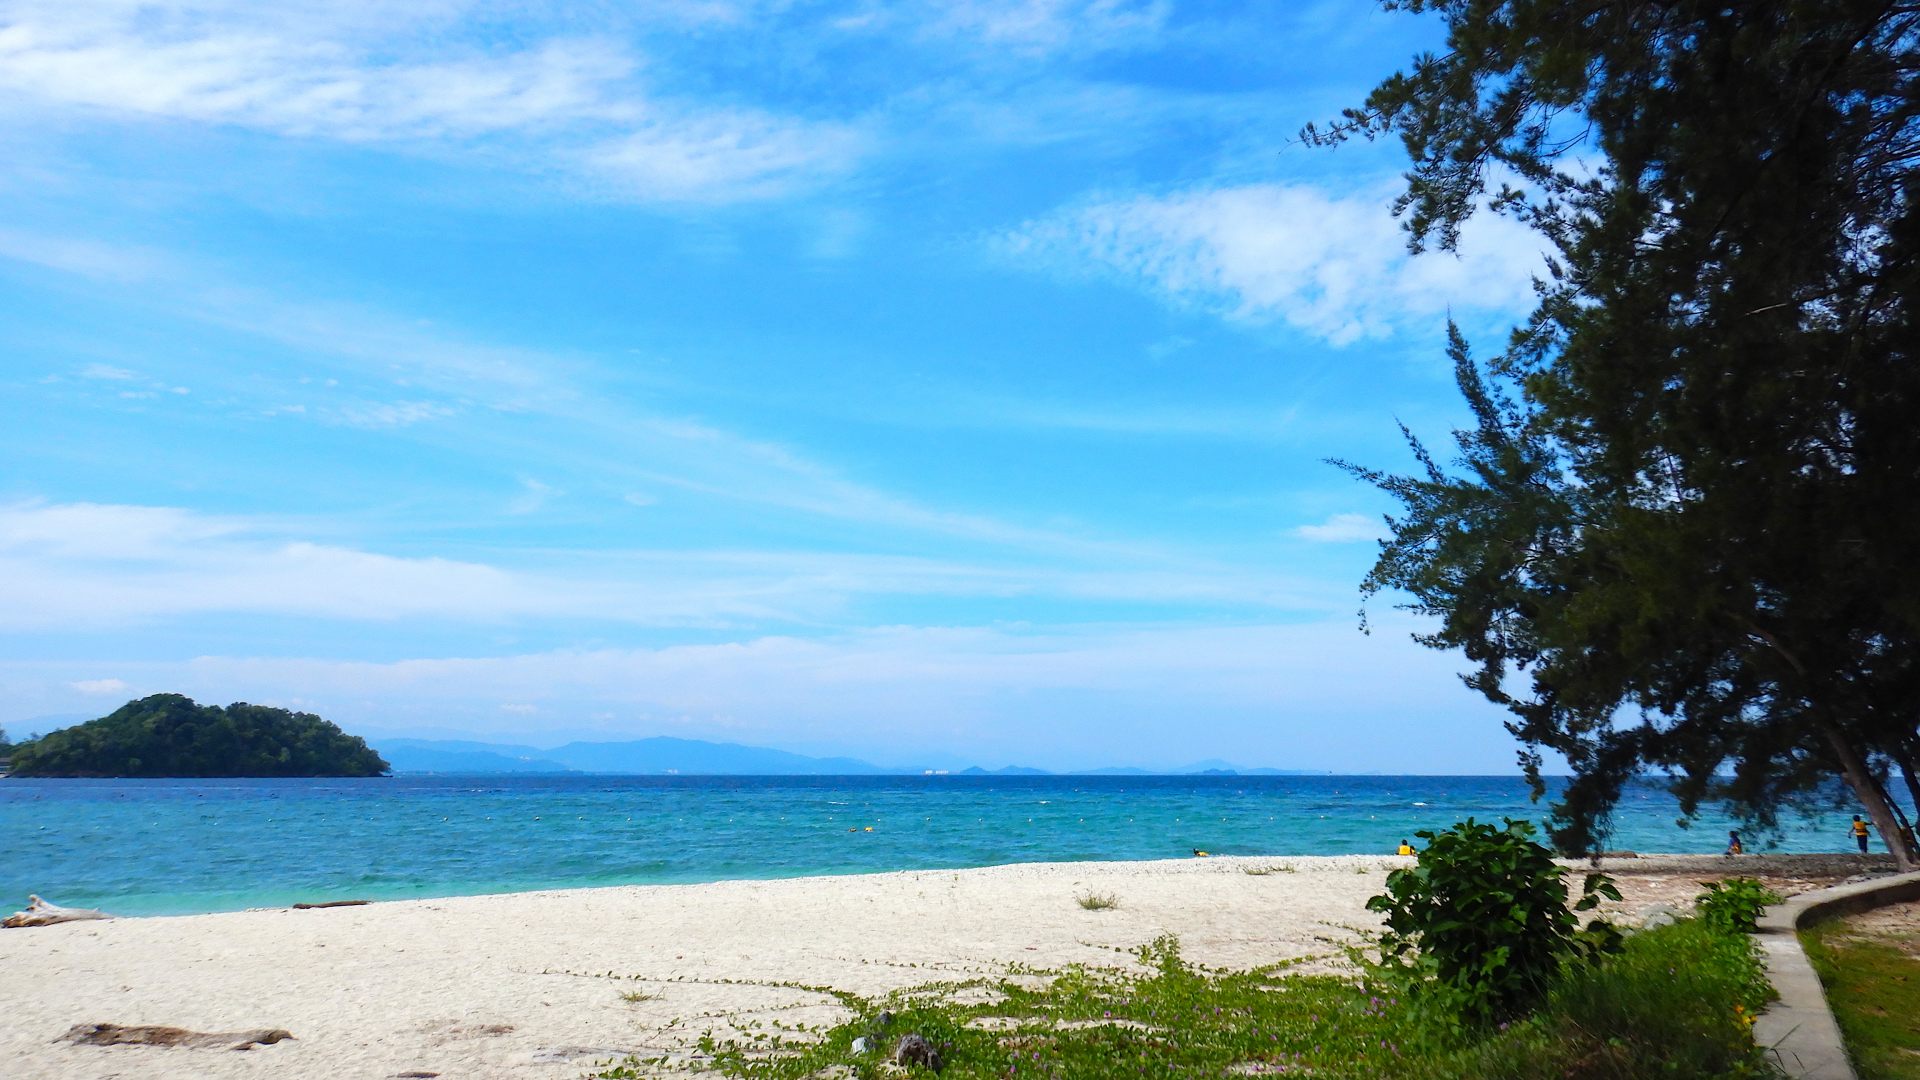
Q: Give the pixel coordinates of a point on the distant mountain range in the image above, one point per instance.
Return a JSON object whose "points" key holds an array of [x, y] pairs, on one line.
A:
{"points": [[656, 756], [663, 756]]}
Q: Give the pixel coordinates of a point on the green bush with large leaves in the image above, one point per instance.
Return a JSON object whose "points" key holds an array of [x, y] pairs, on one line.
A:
{"points": [[1480, 927], [1735, 904]]}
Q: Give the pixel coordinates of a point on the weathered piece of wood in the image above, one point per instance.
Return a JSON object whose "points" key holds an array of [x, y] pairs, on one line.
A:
{"points": [[303, 906], [156, 1035], [40, 913]]}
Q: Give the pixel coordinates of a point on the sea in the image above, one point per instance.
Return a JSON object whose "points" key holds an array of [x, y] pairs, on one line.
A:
{"points": [[162, 847]]}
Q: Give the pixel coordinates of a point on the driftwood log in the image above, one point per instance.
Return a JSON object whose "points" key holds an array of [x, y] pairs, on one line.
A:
{"points": [[154, 1035], [40, 913]]}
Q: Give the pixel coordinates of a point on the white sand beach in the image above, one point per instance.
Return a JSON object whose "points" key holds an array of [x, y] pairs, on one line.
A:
{"points": [[531, 984]]}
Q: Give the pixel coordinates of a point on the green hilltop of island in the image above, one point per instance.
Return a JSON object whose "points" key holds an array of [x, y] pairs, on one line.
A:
{"points": [[171, 735]]}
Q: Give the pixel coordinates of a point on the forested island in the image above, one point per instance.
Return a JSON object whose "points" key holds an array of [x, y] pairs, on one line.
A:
{"points": [[171, 735]]}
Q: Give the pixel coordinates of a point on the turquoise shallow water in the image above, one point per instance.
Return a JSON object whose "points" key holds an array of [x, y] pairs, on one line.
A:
{"points": [[178, 846]]}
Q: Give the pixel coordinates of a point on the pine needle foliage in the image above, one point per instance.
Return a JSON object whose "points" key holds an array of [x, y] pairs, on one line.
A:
{"points": [[1680, 532]]}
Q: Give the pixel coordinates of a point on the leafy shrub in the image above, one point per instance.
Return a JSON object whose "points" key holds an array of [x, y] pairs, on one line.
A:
{"points": [[1735, 904], [1480, 927]]}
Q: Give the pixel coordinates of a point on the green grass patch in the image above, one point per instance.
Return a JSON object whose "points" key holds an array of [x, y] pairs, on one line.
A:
{"points": [[1677, 1002], [1098, 901], [1873, 988], [1671, 1005]]}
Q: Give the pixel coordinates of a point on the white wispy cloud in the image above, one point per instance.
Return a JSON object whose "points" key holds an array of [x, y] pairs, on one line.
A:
{"points": [[107, 372], [1342, 529], [620, 441], [128, 534], [254, 78], [573, 105], [97, 565], [107, 565], [382, 414], [532, 496], [719, 156], [1269, 692], [1044, 26], [401, 352], [99, 686], [1331, 265], [1278, 422], [79, 255], [612, 102]]}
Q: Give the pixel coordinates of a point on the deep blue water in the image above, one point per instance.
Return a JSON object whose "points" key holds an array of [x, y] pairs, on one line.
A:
{"points": [[176, 846]]}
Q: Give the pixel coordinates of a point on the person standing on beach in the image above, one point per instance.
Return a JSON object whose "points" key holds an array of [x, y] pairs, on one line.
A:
{"points": [[1859, 830], [1733, 844]]}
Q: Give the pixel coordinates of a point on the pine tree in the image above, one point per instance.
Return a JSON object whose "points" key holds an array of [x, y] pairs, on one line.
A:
{"points": [[1682, 532]]}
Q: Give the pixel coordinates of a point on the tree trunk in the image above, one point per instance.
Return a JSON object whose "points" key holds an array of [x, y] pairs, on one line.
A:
{"points": [[1905, 765], [1854, 769], [1907, 774], [1899, 818], [1853, 765]]}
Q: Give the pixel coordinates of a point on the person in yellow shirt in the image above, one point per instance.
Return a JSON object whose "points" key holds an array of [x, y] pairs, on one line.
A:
{"points": [[1405, 848], [1859, 829]]}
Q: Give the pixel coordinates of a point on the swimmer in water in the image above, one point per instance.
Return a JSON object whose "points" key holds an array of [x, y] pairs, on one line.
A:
{"points": [[1733, 844], [1198, 854]]}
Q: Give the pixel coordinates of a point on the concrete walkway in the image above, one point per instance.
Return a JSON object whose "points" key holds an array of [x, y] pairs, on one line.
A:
{"points": [[1799, 1029]]}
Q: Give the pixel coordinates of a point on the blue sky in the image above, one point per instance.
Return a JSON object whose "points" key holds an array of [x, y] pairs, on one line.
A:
{"points": [[924, 379]]}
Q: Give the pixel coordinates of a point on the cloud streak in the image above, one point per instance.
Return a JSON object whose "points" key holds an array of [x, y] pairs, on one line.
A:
{"points": [[575, 105], [1332, 266], [92, 565], [605, 437], [1268, 692], [1048, 26], [1341, 529]]}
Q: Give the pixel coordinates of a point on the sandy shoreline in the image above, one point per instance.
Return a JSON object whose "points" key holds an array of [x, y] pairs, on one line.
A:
{"points": [[518, 985]]}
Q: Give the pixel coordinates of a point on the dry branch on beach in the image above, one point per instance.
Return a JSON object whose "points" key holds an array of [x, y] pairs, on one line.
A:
{"points": [[40, 913], [156, 1035]]}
